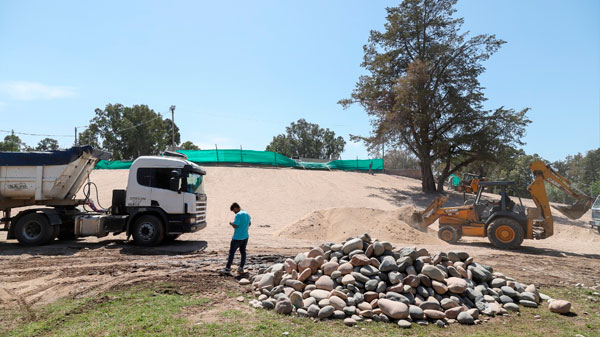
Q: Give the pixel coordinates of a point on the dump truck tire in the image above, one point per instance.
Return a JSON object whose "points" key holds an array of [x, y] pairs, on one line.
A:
{"points": [[33, 230], [148, 230], [448, 234], [505, 233]]}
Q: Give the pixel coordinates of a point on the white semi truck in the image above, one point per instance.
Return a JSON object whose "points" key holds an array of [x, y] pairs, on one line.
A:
{"points": [[164, 197]]}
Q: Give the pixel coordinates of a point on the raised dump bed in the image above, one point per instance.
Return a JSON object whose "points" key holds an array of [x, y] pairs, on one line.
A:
{"points": [[45, 178]]}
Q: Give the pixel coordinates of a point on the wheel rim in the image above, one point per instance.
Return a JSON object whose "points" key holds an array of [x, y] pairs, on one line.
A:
{"points": [[446, 235], [32, 230], [505, 234], [146, 231]]}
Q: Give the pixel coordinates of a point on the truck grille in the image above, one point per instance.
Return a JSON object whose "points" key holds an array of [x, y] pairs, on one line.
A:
{"points": [[596, 214], [201, 203]]}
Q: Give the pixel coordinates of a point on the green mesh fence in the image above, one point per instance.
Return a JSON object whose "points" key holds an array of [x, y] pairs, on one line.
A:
{"points": [[113, 165], [252, 157], [239, 156]]}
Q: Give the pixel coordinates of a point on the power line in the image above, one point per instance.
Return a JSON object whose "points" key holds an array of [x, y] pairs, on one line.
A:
{"points": [[34, 134]]}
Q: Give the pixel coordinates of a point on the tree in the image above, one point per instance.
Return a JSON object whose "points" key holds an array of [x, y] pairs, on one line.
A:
{"points": [[188, 145], [47, 144], [12, 143], [308, 140], [423, 95], [129, 132]]}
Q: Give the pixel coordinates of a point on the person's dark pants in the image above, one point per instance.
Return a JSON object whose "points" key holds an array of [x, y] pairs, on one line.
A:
{"points": [[233, 246]]}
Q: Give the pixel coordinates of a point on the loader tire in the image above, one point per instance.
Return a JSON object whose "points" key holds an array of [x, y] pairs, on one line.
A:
{"points": [[148, 230], [505, 233], [34, 230], [448, 234]]}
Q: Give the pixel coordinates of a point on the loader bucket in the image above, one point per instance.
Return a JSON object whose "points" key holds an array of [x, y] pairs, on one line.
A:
{"points": [[577, 210], [428, 216]]}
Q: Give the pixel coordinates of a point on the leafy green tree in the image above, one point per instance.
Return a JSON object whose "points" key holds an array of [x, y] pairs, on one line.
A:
{"points": [[188, 145], [47, 144], [423, 94], [308, 140], [12, 143], [129, 132]]}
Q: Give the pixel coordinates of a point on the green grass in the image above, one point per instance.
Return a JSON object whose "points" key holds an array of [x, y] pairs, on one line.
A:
{"points": [[139, 312], [134, 312]]}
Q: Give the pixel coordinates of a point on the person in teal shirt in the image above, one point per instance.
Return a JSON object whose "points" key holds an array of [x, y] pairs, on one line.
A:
{"points": [[240, 225]]}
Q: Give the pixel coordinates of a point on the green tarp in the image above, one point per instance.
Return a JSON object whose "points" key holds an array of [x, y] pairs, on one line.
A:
{"points": [[252, 157]]}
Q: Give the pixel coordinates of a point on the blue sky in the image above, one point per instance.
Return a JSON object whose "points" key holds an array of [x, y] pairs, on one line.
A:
{"points": [[239, 72]]}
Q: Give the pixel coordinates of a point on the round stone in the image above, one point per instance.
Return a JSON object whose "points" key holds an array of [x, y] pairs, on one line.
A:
{"points": [[416, 313], [325, 282], [283, 306], [559, 306], [349, 322], [456, 285], [433, 272], [296, 299], [465, 318], [511, 306], [337, 302], [404, 324], [434, 314], [329, 267], [351, 245], [393, 309], [326, 312]]}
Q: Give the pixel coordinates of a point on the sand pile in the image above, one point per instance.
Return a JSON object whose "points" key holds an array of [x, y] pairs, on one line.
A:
{"points": [[365, 279], [336, 224]]}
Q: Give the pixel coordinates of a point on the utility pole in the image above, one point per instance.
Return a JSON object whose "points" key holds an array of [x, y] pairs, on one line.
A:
{"points": [[75, 144], [172, 127]]}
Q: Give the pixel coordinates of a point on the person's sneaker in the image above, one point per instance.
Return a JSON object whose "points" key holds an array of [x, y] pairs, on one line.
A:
{"points": [[241, 271], [225, 271]]}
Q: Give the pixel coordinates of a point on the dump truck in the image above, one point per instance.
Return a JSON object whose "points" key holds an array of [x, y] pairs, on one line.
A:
{"points": [[595, 222], [505, 223], [164, 197]]}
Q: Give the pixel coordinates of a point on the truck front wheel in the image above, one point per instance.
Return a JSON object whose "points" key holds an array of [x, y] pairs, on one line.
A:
{"points": [[148, 230], [34, 229]]}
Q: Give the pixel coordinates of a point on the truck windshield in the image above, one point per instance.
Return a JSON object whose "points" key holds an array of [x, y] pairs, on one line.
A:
{"points": [[194, 183]]}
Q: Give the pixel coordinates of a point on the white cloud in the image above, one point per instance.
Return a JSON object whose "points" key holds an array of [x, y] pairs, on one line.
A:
{"points": [[29, 91]]}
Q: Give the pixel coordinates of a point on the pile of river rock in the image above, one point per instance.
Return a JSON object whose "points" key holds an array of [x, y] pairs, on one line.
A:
{"points": [[365, 279]]}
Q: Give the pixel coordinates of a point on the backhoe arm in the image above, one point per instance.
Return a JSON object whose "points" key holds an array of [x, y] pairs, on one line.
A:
{"points": [[537, 189]]}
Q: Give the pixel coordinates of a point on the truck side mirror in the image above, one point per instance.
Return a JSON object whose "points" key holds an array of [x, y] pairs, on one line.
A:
{"points": [[174, 184], [174, 181]]}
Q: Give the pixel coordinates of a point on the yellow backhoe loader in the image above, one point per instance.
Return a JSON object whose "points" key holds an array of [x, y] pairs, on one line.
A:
{"points": [[504, 222]]}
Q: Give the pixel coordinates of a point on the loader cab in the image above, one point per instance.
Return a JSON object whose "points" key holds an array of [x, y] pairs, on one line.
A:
{"points": [[485, 209]]}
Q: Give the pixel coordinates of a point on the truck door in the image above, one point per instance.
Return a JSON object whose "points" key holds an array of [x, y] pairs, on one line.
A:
{"points": [[158, 179]]}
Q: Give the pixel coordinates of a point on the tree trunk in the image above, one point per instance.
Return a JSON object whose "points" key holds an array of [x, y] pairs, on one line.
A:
{"points": [[427, 181], [443, 177]]}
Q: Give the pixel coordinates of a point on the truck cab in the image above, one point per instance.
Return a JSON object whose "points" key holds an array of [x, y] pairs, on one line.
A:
{"points": [[170, 187], [595, 222]]}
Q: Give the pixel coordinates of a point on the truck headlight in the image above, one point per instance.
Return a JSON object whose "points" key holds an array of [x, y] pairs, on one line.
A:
{"points": [[191, 219]]}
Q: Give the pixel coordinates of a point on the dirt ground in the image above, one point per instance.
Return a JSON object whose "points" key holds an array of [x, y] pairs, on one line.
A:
{"points": [[279, 200]]}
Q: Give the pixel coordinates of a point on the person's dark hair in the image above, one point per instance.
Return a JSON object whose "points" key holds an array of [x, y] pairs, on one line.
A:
{"points": [[234, 205]]}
